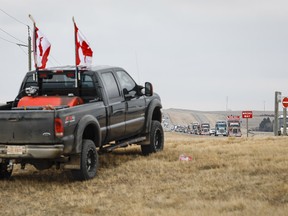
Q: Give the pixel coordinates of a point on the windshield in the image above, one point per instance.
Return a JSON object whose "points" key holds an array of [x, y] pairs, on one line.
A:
{"points": [[234, 124], [221, 124]]}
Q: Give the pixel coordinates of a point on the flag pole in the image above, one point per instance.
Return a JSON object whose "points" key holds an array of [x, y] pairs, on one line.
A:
{"points": [[34, 41], [76, 68], [35, 77]]}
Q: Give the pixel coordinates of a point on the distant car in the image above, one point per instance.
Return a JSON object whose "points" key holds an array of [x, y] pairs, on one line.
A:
{"points": [[212, 131]]}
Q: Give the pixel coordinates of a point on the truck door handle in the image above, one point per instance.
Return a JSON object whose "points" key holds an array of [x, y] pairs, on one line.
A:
{"points": [[13, 119]]}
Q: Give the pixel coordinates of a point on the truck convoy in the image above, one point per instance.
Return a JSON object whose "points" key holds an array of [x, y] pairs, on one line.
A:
{"points": [[234, 126], [64, 116]]}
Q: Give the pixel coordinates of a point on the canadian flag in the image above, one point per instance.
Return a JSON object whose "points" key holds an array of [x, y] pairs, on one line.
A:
{"points": [[83, 51], [41, 49]]}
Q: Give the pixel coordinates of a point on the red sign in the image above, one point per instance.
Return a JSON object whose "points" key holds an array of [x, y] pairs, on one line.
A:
{"points": [[285, 102], [247, 114], [231, 117]]}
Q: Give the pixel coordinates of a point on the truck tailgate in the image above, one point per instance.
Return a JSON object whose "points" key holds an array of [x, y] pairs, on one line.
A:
{"points": [[26, 126]]}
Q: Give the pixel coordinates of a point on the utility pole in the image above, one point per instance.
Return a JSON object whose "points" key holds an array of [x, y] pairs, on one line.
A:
{"points": [[19, 44], [29, 49], [276, 111]]}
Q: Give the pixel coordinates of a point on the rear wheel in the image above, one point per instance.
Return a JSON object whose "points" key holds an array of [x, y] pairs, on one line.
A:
{"points": [[5, 170], [156, 139], [88, 162]]}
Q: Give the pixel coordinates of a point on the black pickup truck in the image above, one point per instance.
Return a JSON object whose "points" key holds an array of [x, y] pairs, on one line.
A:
{"points": [[65, 116]]}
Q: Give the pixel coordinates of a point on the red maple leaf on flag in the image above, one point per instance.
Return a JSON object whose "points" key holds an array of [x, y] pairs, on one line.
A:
{"points": [[41, 49], [83, 51]]}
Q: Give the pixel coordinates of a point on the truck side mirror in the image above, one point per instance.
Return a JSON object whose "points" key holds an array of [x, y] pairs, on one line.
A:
{"points": [[148, 89], [128, 95]]}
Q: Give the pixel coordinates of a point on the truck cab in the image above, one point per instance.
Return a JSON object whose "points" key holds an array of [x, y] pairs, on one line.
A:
{"points": [[221, 128], [205, 128], [234, 126]]}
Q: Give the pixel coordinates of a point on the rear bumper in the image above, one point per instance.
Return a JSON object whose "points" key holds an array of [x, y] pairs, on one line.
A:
{"points": [[31, 151]]}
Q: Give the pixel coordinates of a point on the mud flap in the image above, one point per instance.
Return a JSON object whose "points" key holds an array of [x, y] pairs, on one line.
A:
{"points": [[73, 163]]}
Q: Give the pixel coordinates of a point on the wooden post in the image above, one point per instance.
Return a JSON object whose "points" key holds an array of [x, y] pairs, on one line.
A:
{"points": [[247, 126], [284, 121]]}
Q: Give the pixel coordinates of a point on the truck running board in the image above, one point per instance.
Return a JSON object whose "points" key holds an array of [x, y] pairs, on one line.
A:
{"points": [[122, 144]]}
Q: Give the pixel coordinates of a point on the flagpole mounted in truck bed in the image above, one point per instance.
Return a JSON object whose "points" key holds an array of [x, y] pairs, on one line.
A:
{"points": [[35, 76], [30, 16], [41, 50], [76, 52], [83, 52]]}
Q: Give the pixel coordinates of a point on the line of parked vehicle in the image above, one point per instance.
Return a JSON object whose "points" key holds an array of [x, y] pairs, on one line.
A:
{"points": [[229, 127]]}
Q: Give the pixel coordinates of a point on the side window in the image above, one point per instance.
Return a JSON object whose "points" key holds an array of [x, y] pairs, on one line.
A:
{"points": [[126, 81], [89, 91], [87, 81], [111, 85], [30, 82]]}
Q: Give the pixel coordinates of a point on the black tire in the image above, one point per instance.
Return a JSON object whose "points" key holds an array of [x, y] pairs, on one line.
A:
{"points": [[88, 162], [156, 139], [5, 171]]}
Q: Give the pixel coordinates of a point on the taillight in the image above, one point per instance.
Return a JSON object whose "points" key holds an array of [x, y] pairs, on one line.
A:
{"points": [[59, 128]]}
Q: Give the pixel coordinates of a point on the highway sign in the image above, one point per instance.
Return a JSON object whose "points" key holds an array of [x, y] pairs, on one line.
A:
{"points": [[285, 102], [247, 114]]}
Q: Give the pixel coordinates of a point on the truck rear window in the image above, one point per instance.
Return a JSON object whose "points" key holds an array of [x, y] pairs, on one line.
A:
{"points": [[61, 81], [63, 84], [58, 81]]}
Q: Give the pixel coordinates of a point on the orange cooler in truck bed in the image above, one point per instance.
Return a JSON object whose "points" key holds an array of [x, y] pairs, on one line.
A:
{"points": [[29, 101]]}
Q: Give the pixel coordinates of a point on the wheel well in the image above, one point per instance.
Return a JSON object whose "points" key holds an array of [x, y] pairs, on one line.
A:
{"points": [[90, 133], [157, 115]]}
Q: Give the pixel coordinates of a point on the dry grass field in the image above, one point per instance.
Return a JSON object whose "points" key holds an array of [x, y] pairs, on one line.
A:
{"points": [[226, 176]]}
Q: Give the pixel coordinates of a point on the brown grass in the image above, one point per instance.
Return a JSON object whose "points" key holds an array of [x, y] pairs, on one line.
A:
{"points": [[227, 176]]}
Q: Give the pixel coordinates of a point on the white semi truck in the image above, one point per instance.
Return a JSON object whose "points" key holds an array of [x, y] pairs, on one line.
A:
{"points": [[221, 128]]}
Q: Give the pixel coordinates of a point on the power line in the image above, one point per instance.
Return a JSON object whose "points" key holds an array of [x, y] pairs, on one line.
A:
{"points": [[17, 20], [23, 51], [55, 60], [7, 40], [11, 35], [24, 44], [13, 17]]}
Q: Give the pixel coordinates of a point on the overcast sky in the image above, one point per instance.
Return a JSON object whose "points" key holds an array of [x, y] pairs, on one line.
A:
{"points": [[199, 54]]}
